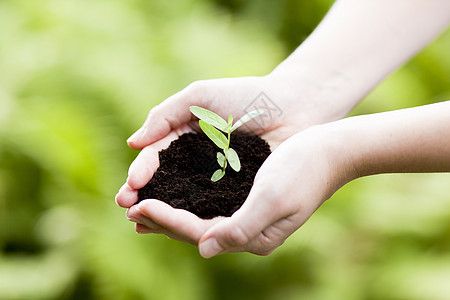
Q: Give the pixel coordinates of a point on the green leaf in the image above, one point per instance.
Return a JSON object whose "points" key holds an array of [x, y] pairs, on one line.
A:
{"points": [[233, 159], [215, 135], [209, 117], [218, 174], [230, 122], [221, 159], [246, 118]]}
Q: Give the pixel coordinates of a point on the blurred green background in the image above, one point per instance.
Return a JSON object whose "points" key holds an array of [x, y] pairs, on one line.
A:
{"points": [[78, 77]]}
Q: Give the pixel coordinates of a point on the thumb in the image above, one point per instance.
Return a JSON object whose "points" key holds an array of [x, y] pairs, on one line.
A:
{"points": [[168, 115], [235, 233]]}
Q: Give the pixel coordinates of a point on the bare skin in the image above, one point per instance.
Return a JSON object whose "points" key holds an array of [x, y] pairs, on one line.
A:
{"points": [[345, 57]]}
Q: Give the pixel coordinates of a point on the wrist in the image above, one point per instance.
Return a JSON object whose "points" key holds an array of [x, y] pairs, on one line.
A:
{"points": [[327, 145], [330, 93], [338, 146]]}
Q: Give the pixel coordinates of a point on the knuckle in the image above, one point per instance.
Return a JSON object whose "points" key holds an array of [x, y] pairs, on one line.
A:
{"points": [[152, 115], [265, 241], [154, 111], [264, 245], [195, 86], [235, 237]]}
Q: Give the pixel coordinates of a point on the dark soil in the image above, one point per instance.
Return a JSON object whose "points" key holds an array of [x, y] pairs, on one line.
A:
{"points": [[183, 179]]}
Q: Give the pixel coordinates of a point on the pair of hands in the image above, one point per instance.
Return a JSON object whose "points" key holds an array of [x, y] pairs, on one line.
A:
{"points": [[319, 83], [299, 175], [308, 164]]}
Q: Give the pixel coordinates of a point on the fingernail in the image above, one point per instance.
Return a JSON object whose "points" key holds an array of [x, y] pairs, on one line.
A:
{"points": [[132, 214], [134, 219], [209, 248], [136, 135]]}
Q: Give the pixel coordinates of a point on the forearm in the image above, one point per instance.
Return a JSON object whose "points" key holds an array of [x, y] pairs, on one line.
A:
{"points": [[404, 141], [359, 43]]}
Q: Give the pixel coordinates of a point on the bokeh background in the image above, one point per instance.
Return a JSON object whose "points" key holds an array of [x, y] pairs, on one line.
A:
{"points": [[78, 77]]}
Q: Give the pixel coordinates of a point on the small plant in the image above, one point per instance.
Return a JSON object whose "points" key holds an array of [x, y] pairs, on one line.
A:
{"points": [[209, 121]]}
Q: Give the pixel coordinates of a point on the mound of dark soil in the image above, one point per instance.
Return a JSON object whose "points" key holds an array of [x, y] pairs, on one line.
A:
{"points": [[183, 177]]}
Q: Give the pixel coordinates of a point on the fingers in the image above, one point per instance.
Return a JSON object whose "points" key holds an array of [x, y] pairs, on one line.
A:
{"points": [[143, 168], [146, 163], [244, 231], [178, 224], [142, 229], [147, 225], [273, 236], [170, 114], [126, 196], [134, 214]]}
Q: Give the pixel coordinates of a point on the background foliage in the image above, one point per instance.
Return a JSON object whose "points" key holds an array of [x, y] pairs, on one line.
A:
{"points": [[78, 77]]}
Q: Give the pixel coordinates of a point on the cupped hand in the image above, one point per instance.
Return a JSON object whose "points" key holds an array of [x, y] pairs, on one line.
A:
{"points": [[293, 182]]}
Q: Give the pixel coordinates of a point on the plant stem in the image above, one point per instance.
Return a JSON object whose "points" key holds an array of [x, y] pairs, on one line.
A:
{"points": [[228, 146], [224, 164]]}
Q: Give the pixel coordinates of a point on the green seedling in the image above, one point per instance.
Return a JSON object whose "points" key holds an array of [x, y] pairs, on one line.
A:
{"points": [[209, 121]]}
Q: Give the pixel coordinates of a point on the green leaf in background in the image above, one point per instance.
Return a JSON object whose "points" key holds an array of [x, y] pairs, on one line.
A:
{"points": [[209, 117], [233, 159], [221, 159], [246, 118], [218, 174], [215, 135]]}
